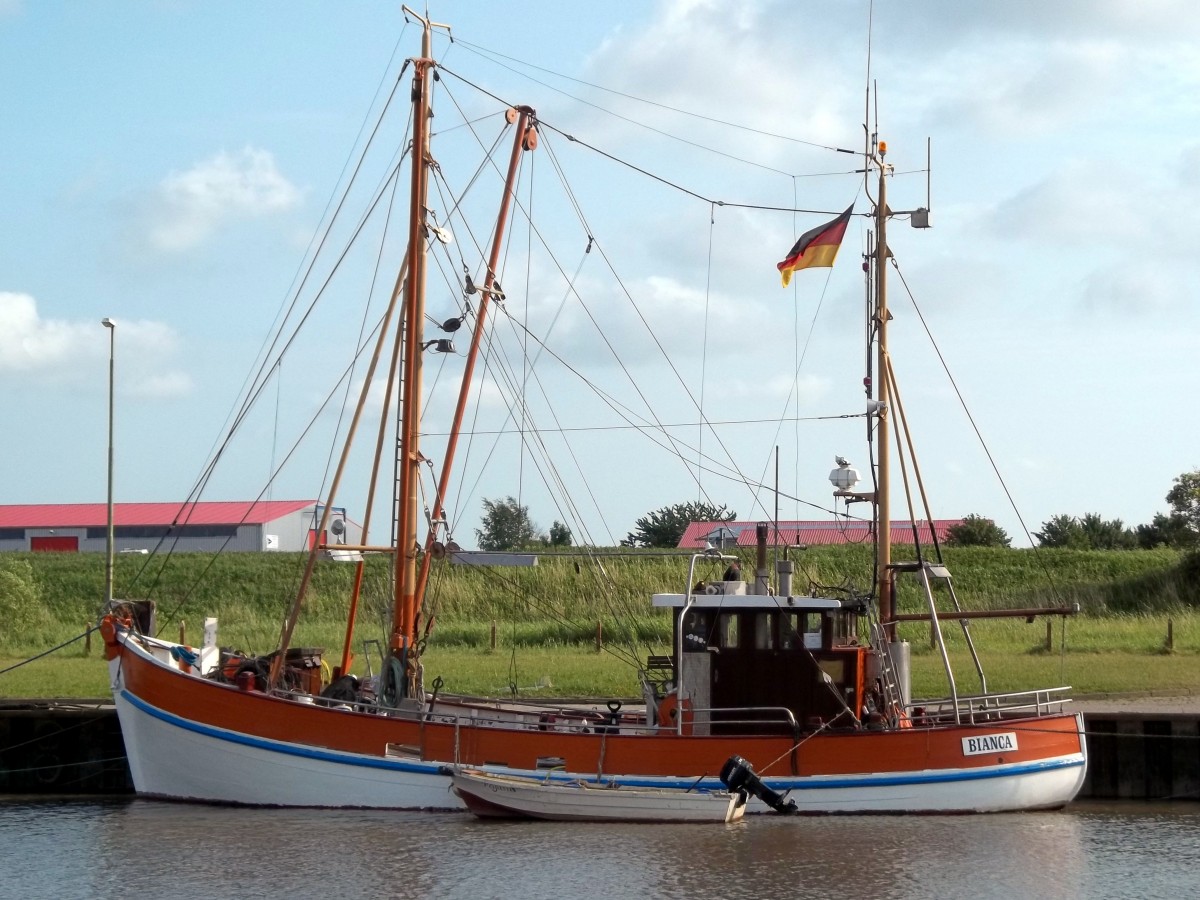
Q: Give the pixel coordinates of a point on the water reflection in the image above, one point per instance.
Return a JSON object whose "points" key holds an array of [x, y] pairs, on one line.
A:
{"points": [[139, 848]]}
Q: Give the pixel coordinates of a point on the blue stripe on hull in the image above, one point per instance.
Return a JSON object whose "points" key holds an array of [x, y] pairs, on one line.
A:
{"points": [[234, 737], [776, 783]]}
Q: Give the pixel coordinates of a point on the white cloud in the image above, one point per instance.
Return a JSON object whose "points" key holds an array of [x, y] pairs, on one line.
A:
{"points": [[668, 306], [678, 62], [191, 206], [29, 343], [71, 352]]}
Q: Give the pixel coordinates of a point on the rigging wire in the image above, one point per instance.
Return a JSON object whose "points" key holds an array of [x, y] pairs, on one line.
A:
{"points": [[711, 422], [483, 51], [254, 387], [523, 427], [794, 390], [550, 151], [251, 393], [641, 317], [362, 327], [518, 205], [296, 444], [685, 190], [974, 426], [283, 343], [659, 178], [505, 372], [678, 448], [198, 489]]}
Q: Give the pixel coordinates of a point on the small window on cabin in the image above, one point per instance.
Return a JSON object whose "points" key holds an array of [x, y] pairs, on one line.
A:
{"points": [[791, 627], [845, 629], [729, 630], [764, 631], [798, 630], [813, 623]]}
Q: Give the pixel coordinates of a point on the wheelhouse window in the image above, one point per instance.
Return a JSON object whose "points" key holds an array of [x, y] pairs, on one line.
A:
{"points": [[764, 631], [791, 630], [800, 630], [845, 629], [729, 630]]}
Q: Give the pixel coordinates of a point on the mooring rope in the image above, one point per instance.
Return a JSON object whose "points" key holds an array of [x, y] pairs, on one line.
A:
{"points": [[51, 650]]}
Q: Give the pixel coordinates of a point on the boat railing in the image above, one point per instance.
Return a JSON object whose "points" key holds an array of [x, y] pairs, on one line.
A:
{"points": [[563, 719], [329, 702], [784, 715], [574, 721], [990, 707]]}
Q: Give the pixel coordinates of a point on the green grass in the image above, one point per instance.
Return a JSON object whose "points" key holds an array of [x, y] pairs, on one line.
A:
{"points": [[1116, 654], [546, 616], [67, 673]]}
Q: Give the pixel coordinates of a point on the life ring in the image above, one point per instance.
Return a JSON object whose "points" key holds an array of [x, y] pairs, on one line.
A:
{"points": [[668, 709]]}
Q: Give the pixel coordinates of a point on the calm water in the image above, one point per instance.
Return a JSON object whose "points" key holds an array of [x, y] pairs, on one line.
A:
{"points": [[141, 848]]}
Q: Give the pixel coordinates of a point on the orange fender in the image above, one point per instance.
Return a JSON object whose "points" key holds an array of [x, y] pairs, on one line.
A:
{"points": [[108, 630], [668, 709]]}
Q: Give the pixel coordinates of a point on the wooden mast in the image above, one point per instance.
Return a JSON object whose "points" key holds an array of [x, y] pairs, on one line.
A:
{"points": [[883, 511], [405, 573]]}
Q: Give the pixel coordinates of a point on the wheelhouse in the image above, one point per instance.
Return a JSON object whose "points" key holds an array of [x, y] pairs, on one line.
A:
{"points": [[752, 663]]}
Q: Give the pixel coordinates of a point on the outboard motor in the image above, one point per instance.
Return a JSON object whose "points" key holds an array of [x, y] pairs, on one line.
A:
{"points": [[737, 775]]}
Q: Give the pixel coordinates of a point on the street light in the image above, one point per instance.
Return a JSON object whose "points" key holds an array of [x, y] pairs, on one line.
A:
{"points": [[108, 567]]}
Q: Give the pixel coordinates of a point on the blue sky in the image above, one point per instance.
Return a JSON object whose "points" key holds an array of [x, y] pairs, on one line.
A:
{"points": [[169, 162]]}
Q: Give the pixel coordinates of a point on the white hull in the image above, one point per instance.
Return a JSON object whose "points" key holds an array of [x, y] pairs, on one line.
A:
{"points": [[489, 794], [173, 759]]}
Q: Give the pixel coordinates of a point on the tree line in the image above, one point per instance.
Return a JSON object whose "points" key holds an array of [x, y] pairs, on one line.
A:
{"points": [[1180, 528], [506, 525]]}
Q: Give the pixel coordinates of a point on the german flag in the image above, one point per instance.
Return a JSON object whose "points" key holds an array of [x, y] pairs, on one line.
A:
{"points": [[815, 248]]}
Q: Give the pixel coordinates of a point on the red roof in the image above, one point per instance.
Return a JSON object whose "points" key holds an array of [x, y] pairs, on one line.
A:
{"points": [[852, 531], [91, 515]]}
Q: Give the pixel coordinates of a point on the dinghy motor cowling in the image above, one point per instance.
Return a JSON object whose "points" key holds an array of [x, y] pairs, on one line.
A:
{"points": [[738, 775]]}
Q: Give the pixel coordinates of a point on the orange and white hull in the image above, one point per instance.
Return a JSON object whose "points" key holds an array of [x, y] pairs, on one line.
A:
{"points": [[191, 738]]}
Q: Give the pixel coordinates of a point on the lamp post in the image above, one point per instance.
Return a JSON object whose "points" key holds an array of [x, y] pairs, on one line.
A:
{"points": [[108, 565]]}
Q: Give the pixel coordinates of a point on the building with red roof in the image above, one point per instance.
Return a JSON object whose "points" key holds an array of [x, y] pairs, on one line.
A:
{"points": [[205, 526], [811, 533]]}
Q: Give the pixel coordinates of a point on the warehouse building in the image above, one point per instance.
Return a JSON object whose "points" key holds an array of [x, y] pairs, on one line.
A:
{"points": [[246, 526], [727, 535]]}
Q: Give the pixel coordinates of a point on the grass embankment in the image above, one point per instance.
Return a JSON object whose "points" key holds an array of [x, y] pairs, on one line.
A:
{"points": [[547, 617]]}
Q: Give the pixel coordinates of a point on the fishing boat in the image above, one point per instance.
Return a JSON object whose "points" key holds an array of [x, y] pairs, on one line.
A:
{"points": [[491, 795], [811, 686]]}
